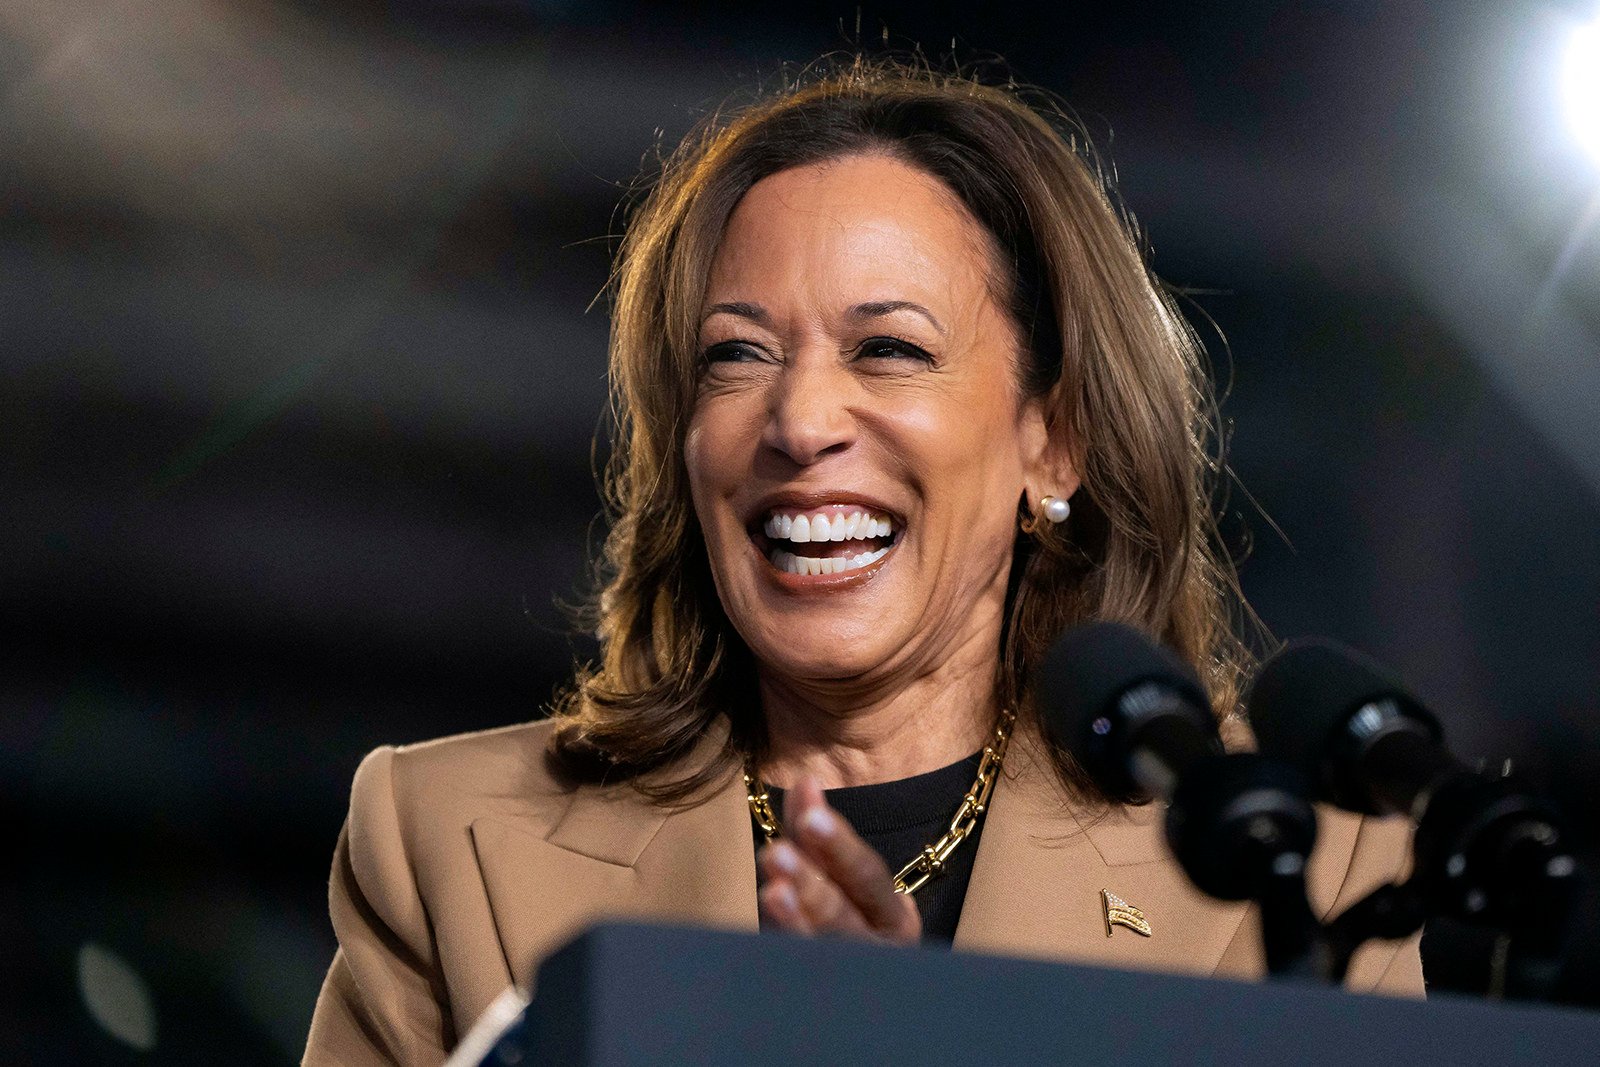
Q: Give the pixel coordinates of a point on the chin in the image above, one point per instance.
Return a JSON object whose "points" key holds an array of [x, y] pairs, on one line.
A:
{"points": [[819, 664], [822, 650]]}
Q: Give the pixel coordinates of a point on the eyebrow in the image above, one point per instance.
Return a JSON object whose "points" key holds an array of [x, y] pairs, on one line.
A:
{"points": [[876, 309], [754, 312]]}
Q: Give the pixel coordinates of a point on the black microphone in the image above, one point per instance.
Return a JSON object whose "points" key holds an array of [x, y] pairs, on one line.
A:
{"points": [[1363, 739], [1132, 713], [1487, 850], [1139, 722]]}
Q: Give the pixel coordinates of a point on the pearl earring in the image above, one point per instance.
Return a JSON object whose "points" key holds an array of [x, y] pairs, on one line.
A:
{"points": [[1055, 509]]}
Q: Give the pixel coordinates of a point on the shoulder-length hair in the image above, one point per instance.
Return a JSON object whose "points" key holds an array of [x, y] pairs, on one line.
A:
{"points": [[1120, 372]]}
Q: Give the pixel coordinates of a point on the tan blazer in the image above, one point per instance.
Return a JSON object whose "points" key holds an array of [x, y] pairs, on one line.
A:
{"points": [[463, 864]]}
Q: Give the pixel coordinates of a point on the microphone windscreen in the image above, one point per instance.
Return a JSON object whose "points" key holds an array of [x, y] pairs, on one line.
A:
{"points": [[1082, 676], [1307, 693]]}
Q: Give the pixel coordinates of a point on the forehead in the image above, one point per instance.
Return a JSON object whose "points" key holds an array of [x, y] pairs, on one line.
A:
{"points": [[857, 228]]}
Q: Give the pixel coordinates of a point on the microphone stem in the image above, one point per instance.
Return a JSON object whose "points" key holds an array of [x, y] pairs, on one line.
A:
{"points": [[1288, 927]]}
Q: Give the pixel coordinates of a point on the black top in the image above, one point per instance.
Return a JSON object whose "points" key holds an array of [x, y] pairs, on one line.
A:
{"points": [[898, 819]]}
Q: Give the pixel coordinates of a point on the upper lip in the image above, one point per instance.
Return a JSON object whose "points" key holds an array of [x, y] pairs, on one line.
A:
{"points": [[808, 499]]}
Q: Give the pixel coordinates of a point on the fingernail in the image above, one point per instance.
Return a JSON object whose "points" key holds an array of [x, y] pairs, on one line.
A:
{"points": [[784, 897], [820, 821], [785, 859]]}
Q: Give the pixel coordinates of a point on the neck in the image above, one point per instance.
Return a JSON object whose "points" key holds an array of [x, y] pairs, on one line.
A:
{"points": [[857, 732]]}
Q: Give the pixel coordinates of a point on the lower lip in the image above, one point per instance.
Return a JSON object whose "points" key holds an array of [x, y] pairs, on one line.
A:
{"points": [[818, 583]]}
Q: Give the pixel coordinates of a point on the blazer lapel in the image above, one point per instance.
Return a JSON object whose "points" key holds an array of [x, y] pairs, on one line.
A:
{"points": [[1043, 864], [612, 853]]}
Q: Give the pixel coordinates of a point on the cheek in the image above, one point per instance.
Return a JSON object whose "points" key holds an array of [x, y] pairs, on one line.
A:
{"points": [[695, 451], [969, 443], [716, 450], [699, 451]]}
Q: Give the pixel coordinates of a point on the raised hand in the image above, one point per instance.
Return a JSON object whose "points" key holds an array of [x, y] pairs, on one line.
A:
{"points": [[820, 877]]}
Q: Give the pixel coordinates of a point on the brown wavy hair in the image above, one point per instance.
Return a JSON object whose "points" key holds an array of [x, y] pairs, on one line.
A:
{"points": [[1122, 375]]}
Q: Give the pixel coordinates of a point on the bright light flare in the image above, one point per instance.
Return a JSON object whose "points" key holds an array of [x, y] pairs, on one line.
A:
{"points": [[1581, 79]]}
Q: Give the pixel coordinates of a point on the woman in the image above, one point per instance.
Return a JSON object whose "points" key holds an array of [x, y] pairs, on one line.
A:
{"points": [[898, 402]]}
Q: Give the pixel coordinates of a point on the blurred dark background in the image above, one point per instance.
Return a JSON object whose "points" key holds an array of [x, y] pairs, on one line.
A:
{"points": [[299, 375]]}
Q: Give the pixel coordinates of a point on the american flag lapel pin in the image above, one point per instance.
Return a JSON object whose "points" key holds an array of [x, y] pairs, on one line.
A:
{"points": [[1119, 912]]}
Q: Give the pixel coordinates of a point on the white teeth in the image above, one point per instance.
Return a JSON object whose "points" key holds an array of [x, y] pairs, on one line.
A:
{"points": [[827, 527], [793, 564]]}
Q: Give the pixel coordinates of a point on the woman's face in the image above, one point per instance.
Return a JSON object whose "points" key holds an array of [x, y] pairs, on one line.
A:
{"points": [[859, 444]]}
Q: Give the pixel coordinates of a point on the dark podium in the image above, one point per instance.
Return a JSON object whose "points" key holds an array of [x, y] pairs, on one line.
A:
{"points": [[625, 994]]}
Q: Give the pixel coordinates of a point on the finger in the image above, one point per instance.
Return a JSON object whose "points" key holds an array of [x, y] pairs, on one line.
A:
{"points": [[780, 906], [779, 861], [823, 905], [829, 842]]}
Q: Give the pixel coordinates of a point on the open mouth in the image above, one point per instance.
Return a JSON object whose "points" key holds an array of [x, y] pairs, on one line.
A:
{"points": [[833, 540]]}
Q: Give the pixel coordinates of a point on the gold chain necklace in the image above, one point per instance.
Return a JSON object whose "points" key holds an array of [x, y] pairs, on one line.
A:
{"points": [[930, 861]]}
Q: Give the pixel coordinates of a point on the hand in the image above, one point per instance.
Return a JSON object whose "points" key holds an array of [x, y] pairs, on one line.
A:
{"points": [[821, 878]]}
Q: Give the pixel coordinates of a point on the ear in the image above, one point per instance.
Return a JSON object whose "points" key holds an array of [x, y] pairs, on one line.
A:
{"points": [[1048, 467]]}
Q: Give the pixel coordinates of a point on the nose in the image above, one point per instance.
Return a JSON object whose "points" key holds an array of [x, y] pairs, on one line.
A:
{"points": [[808, 415]]}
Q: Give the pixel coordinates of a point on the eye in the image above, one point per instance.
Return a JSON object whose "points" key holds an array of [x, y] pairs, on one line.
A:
{"points": [[891, 348], [731, 352]]}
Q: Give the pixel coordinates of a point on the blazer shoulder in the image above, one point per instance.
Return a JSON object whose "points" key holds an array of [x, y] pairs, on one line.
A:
{"points": [[450, 781], [485, 763], [417, 954]]}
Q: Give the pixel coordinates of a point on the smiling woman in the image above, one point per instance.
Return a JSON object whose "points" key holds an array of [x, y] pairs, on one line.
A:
{"points": [[898, 402], [906, 408], [906, 294]]}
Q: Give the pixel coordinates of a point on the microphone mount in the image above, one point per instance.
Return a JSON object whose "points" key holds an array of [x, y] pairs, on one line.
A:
{"points": [[1242, 828], [1487, 850]]}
